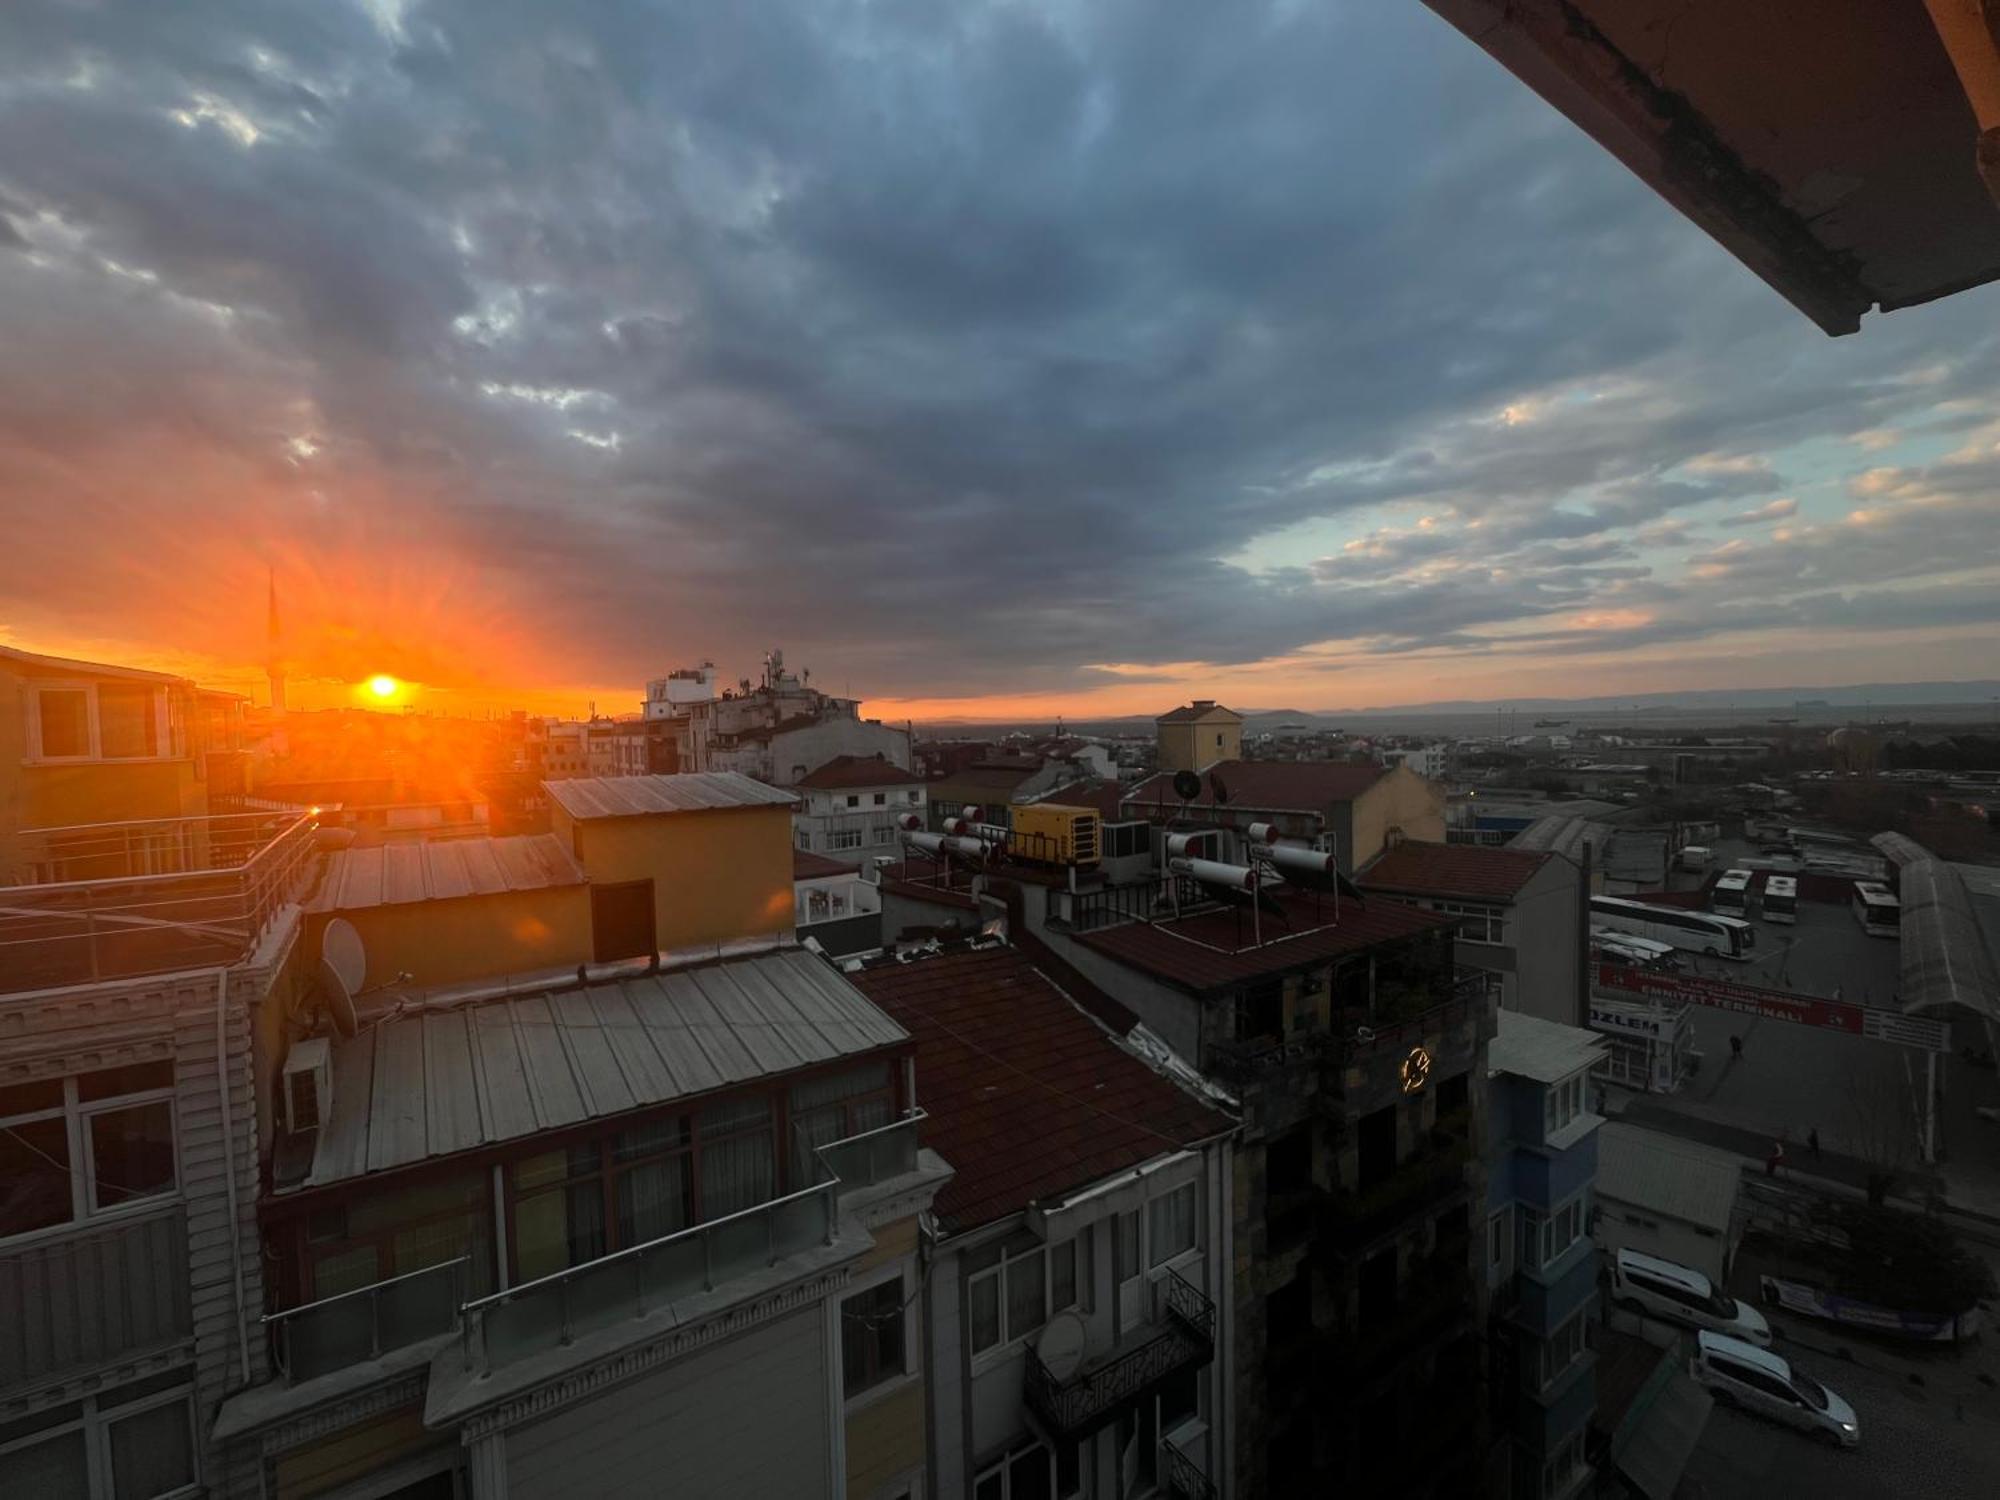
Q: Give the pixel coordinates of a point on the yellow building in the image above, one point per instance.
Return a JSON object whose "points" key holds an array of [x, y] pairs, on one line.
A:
{"points": [[678, 862], [86, 743], [1198, 736]]}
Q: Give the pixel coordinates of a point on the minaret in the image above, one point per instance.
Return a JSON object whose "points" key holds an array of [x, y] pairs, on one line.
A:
{"points": [[274, 666]]}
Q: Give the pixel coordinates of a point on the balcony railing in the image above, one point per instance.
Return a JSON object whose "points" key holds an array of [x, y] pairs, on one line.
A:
{"points": [[90, 1296], [1182, 1476], [553, 1311], [1355, 1034], [1135, 901], [337, 1332], [119, 900], [1184, 1339]]}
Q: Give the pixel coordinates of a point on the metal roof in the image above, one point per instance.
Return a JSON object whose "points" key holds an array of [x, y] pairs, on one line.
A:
{"points": [[586, 797], [1667, 1176], [1945, 962], [70, 667], [1546, 1051], [442, 869], [440, 1082]]}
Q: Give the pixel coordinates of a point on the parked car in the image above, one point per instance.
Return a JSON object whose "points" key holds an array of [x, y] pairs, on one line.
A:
{"points": [[1742, 1375], [1696, 857], [1676, 1293]]}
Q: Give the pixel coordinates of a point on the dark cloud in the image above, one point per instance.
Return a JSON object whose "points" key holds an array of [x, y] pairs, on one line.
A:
{"points": [[954, 346]]}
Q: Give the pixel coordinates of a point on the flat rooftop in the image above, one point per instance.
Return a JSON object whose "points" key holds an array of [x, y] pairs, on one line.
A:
{"points": [[587, 797], [1545, 1051]]}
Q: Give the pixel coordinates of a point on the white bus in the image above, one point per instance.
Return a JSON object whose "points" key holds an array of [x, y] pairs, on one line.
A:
{"points": [[1781, 898], [1731, 895], [1611, 947], [1877, 909], [1696, 931]]}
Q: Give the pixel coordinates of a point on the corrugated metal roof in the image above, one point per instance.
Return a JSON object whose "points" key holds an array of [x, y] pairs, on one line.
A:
{"points": [[1944, 959], [1667, 1176], [429, 1085], [585, 797], [442, 869], [1546, 1051]]}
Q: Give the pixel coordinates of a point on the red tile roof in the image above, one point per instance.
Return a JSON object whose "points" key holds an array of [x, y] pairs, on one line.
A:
{"points": [[1103, 796], [807, 865], [1473, 871], [857, 770], [1029, 1100], [1188, 713], [1263, 786], [1201, 953]]}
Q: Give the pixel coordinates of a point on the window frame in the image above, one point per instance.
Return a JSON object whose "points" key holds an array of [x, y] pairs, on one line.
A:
{"points": [[167, 742], [98, 1412], [1562, 1104], [1153, 1258], [1006, 1337], [1001, 1467], [80, 1145], [912, 1351], [1573, 1334]]}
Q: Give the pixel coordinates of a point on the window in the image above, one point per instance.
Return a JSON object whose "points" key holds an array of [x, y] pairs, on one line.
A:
{"points": [[1014, 1287], [1496, 1240], [871, 1336], [1170, 1228], [393, 1232], [1561, 1104], [854, 800], [1124, 840], [653, 1179], [101, 721], [93, 1143], [833, 1107], [880, 798], [1030, 1471], [1562, 1466], [882, 833], [621, 920], [1562, 1348], [134, 1442], [1477, 924], [1546, 1237], [802, 837], [844, 838], [915, 795]]}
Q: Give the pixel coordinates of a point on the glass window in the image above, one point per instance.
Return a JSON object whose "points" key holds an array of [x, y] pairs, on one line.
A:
{"points": [[984, 1296], [738, 1170], [127, 723], [1011, 1291], [1062, 1275], [55, 1467], [65, 716], [152, 1452], [34, 1165], [871, 1336], [131, 1153], [833, 1107], [1170, 1223], [1026, 1294]]}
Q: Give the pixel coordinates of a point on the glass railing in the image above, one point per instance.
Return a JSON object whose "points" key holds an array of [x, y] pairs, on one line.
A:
{"points": [[555, 1310], [352, 1327]]}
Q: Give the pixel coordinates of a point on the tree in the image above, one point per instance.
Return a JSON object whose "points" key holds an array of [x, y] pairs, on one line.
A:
{"points": [[1880, 1128]]}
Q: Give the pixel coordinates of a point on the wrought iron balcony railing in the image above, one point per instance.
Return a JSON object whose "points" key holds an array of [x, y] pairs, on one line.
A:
{"points": [[1182, 1477], [1183, 1338]]}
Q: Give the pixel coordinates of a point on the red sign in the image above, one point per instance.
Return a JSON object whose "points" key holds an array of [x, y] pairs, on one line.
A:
{"points": [[1693, 989]]}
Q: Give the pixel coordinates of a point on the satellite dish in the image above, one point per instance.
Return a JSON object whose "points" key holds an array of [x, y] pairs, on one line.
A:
{"points": [[1217, 789], [1187, 785], [1060, 1348], [339, 1000], [340, 946]]}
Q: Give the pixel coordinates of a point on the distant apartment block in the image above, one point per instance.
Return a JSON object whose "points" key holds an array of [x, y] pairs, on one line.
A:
{"points": [[849, 807]]}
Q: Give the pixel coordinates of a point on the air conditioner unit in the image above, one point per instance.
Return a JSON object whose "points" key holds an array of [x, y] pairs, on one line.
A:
{"points": [[308, 1085]]}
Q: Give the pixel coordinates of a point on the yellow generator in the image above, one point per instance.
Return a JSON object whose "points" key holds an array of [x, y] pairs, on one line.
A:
{"points": [[1048, 833]]}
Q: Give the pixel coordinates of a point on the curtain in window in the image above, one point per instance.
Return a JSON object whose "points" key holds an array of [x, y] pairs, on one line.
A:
{"points": [[737, 1167], [1172, 1224], [652, 1201], [820, 1114]]}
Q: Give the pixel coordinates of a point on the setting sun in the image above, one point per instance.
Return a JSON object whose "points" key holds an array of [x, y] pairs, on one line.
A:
{"points": [[383, 686]]}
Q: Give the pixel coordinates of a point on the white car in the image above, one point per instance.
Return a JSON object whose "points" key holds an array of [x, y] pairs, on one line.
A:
{"points": [[1740, 1374], [1675, 1293]]}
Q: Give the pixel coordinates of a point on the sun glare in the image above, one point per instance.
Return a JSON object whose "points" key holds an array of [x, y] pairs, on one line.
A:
{"points": [[383, 686]]}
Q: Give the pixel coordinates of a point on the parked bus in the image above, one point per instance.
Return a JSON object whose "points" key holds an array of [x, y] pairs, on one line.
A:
{"points": [[1731, 895], [1877, 909], [1611, 947], [1781, 898], [1695, 931]]}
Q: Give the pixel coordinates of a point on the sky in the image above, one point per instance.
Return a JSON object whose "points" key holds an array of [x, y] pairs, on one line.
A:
{"points": [[991, 359]]}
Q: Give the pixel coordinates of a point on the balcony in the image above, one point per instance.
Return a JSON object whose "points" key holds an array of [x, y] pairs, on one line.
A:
{"points": [[119, 900], [1181, 1477], [92, 1295], [1358, 1034], [554, 1311], [1182, 1338], [351, 1328], [1428, 1179]]}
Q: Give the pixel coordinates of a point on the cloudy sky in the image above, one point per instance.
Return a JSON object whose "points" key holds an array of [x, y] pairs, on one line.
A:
{"points": [[990, 357]]}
